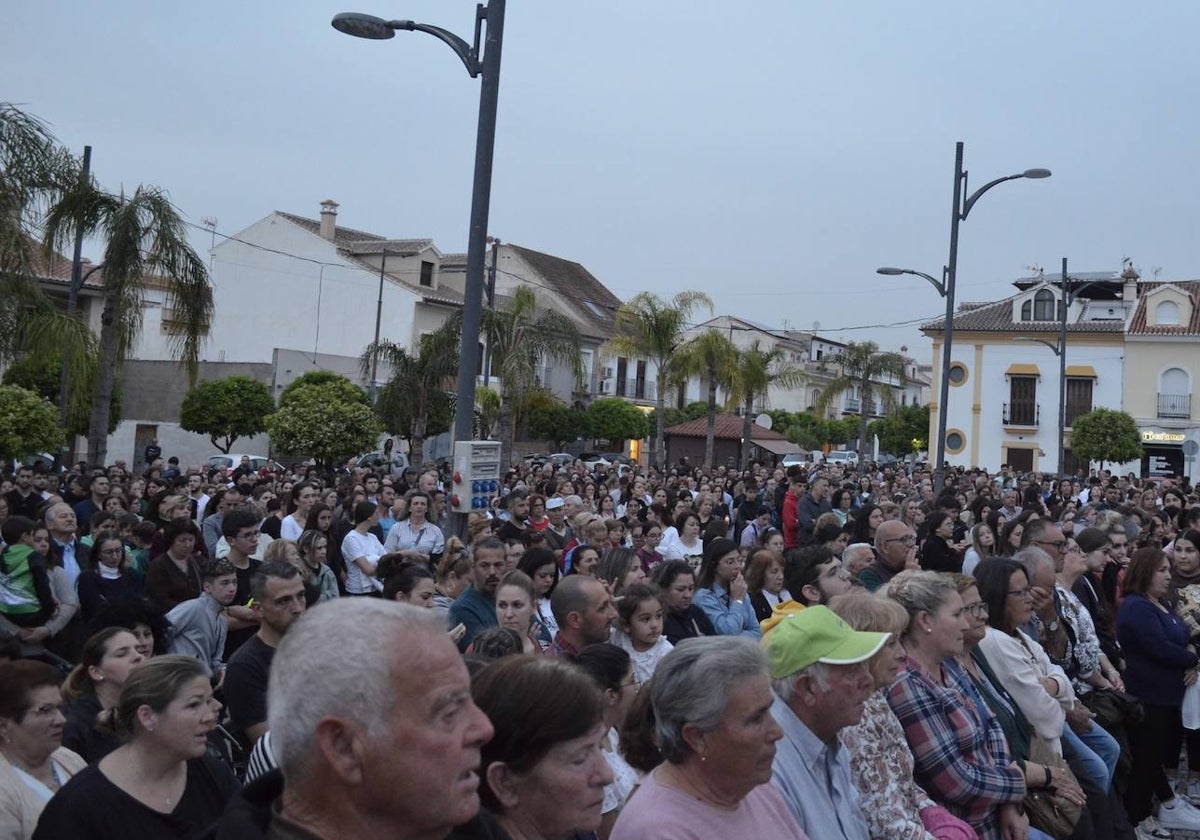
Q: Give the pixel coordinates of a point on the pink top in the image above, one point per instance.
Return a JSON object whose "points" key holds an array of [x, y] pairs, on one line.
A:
{"points": [[658, 812]]}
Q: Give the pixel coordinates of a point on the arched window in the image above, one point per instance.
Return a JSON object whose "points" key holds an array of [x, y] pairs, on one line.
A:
{"points": [[1166, 314], [1043, 306], [1027, 311], [1175, 394]]}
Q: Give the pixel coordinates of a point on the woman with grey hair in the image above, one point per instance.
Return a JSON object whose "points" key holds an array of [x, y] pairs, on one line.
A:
{"points": [[710, 717], [961, 756]]}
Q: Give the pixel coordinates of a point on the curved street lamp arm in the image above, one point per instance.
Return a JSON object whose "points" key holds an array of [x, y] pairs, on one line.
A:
{"points": [[1057, 350], [970, 202], [468, 54]]}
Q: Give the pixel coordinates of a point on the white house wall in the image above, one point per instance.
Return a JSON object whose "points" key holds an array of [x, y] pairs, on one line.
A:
{"points": [[976, 406], [265, 300]]}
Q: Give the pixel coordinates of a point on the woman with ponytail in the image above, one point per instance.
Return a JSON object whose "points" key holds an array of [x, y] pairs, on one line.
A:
{"points": [[93, 687]]}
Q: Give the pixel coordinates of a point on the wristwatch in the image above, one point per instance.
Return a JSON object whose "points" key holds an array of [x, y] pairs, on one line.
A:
{"points": [[1053, 626]]}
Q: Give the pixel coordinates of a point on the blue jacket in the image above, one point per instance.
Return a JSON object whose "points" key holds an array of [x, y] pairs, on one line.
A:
{"points": [[732, 620], [1154, 644], [476, 612]]}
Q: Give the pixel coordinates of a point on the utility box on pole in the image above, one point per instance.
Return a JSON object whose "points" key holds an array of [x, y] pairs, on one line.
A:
{"points": [[476, 478]]}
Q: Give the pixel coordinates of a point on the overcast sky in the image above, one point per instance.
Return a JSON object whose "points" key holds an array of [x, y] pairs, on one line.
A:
{"points": [[771, 153]]}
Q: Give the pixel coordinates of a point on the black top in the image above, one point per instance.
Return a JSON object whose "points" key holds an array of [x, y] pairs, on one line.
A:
{"points": [[688, 624], [236, 638], [762, 607], [90, 807], [246, 685], [938, 556], [82, 735], [97, 592]]}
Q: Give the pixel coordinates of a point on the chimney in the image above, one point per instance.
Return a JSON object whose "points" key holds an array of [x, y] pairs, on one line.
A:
{"points": [[328, 218], [1130, 276]]}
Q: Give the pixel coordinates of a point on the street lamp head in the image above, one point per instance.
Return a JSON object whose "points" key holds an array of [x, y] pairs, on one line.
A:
{"points": [[363, 26], [890, 271], [1036, 173]]}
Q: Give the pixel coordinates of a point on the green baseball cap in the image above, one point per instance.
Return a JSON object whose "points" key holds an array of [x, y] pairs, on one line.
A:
{"points": [[817, 634]]}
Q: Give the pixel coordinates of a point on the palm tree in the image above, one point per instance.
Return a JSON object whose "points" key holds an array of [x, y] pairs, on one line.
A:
{"points": [[417, 381], [145, 245], [34, 173], [711, 357], [522, 338], [652, 328], [863, 369], [759, 370]]}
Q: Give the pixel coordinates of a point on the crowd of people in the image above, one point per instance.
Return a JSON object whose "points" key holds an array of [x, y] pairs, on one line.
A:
{"points": [[828, 651]]}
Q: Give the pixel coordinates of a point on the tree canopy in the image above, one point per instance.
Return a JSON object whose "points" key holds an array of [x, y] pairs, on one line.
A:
{"points": [[324, 421], [28, 423], [41, 374], [1106, 435], [343, 387], [227, 409], [613, 419]]}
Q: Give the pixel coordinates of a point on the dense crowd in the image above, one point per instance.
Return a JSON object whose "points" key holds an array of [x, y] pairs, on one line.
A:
{"points": [[613, 652]]}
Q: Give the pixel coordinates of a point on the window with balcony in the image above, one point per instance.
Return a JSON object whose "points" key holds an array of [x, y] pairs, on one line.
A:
{"points": [[1175, 394], [1022, 408]]}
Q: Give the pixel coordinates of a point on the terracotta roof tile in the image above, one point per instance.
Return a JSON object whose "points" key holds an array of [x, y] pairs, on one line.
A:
{"points": [[997, 317], [574, 282], [1138, 324], [727, 427]]}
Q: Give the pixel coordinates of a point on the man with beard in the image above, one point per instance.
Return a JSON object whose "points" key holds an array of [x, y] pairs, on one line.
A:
{"points": [[475, 608]]}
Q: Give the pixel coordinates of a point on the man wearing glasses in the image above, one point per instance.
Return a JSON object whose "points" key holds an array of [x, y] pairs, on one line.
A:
{"points": [[895, 549]]}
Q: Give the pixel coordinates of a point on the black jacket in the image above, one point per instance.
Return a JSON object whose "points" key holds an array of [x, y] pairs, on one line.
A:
{"points": [[248, 814]]}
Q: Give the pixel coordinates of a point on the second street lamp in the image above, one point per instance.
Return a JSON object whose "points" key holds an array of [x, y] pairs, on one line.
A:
{"points": [[487, 67], [959, 211]]}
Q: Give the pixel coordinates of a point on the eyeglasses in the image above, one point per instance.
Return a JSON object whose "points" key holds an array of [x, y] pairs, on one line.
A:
{"points": [[979, 609], [909, 540], [1021, 593], [1056, 543]]}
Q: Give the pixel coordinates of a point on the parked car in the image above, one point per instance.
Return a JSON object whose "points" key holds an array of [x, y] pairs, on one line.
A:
{"points": [[842, 456], [257, 462], [376, 460], [794, 458]]}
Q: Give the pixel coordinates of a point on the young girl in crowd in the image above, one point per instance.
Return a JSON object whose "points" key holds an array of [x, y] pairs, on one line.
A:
{"points": [[639, 631]]}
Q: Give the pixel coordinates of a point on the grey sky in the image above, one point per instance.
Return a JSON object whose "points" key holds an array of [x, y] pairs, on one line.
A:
{"points": [[771, 153]]}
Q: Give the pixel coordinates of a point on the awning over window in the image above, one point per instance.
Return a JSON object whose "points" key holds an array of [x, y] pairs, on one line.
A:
{"points": [[1022, 370], [1081, 371], [778, 447]]}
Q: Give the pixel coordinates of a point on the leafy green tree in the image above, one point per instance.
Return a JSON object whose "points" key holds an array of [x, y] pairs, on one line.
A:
{"points": [[35, 171], [864, 368], [1105, 435], [415, 402], [28, 423], [550, 419], [897, 433], [227, 409], [756, 372], [712, 358], [523, 338], [615, 420], [345, 389], [42, 374], [652, 328], [692, 411], [322, 422]]}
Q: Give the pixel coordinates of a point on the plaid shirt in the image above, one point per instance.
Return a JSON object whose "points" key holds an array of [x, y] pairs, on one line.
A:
{"points": [[961, 756]]}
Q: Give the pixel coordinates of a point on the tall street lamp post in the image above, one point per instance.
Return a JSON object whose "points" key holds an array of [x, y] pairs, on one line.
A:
{"points": [[488, 68], [958, 213], [1059, 347]]}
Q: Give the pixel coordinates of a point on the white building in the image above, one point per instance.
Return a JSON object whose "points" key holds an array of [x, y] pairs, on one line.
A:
{"points": [[1004, 387]]}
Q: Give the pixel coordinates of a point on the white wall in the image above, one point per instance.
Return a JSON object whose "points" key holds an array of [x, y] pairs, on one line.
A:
{"points": [[988, 387], [265, 300]]}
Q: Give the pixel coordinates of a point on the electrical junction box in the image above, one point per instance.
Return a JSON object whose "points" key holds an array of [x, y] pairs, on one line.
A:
{"points": [[476, 477]]}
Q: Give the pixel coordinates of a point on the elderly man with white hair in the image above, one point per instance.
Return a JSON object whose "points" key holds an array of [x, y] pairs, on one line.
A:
{"points": [[373, 727]]}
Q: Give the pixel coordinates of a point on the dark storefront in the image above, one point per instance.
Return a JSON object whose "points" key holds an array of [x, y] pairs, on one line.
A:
{"points": [[1162, 454]]}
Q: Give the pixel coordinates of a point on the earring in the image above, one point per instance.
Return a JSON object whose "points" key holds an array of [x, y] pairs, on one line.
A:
{"points": [[928, 629]]}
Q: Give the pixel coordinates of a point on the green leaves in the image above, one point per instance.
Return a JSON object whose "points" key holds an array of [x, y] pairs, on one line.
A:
{"points": [[327, 421], [615, 420], [228, 409], [28, 423], [1106, 435]]}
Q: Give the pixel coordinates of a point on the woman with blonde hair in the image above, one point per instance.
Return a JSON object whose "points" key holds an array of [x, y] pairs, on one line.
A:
{"points": [[452, 575], [894, 805]]}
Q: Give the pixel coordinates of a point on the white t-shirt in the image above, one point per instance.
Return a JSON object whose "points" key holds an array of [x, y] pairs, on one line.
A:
{"points": [[357, 545], [290, 529]]}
